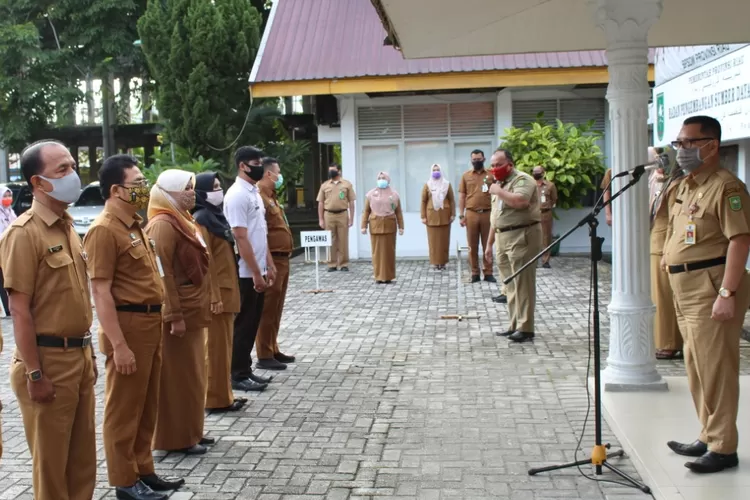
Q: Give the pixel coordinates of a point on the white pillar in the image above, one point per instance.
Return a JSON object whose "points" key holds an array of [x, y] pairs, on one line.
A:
{"points": [[631, 364], [348, 121]]}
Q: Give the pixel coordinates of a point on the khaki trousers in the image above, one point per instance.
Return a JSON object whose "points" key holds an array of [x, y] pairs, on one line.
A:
{"points": [[712, 353], [478, 228], [266, 343], [338, 225], [513, 249], [61, 434], [547, 221], [131, 402], [219, 361], [666, 332]]}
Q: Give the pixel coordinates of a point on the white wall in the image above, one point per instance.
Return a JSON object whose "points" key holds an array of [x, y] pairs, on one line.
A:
{"points": [[414, 242]]}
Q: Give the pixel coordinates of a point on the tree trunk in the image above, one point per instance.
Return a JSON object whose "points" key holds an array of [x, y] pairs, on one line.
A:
{"points": [[146, 102], [109, 119], [90, 102], [125, 94]]}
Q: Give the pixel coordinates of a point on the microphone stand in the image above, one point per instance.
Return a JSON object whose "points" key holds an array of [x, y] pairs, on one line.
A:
{"points": [[599, 453]]}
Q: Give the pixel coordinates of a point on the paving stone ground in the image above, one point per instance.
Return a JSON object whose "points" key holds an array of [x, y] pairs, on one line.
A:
{"points": [[388, 401]]}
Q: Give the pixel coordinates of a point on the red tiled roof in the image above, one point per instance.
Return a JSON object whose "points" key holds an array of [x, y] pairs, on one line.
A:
{"points": [[327, 39]]}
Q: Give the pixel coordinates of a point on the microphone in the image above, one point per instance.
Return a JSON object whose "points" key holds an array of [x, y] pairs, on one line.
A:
{"points": [[662, 161]]}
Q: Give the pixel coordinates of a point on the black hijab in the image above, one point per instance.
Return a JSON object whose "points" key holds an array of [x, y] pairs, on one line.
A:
{"points": [[207, 215]]}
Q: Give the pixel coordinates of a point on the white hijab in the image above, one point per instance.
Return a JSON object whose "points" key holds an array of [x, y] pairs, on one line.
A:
{"points": [[172, 180], [438, 188]]}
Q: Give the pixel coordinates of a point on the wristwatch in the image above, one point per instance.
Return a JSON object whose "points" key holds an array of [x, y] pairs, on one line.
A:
{"points": [[34, 376], [725, 294]]}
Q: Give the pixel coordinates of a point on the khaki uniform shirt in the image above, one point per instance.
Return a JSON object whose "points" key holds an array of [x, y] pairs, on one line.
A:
{"points": [[279, 234], [440, 217], [336, 195], [383, 225], [222, 268], [547, 195], [661, 220], [715, 205], [42, 256], [474, 184], [505, 216]]}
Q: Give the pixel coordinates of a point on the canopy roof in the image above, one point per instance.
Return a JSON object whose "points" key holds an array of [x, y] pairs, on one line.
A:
{"points": [[450, 28]]}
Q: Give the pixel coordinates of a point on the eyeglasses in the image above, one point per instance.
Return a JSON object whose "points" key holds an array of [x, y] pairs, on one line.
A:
{"points": [[141, 183], [689, 143]]}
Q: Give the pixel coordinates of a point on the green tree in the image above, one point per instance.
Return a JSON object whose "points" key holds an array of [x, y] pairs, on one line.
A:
{"points": [[200, 54], [569, 154]]}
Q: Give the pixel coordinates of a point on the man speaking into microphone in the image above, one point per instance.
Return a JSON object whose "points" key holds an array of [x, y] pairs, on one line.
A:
{"points": [[517, 233]]}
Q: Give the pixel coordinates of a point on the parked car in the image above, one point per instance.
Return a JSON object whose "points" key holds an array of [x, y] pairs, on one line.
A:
{"points": [[88, 206], [22, 196]]}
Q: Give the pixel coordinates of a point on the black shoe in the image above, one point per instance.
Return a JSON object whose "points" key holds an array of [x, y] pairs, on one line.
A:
{"points": [[236, 405], [331, 269], [521, 336], [489, 278], [283, 358], [270, 364], [345, 269], [207, 441], [157, 483], [260, 379], [500, 299], [139, 491], [475, 278], [695, 449], [506, 333], [388, 282], [546, 266], [196, 449], [711, 462], [247, 385]]}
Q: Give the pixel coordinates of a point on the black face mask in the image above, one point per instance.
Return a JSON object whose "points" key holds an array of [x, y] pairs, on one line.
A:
{"points": [[478, 164], [255, 173], [332, 174], [538, 176]]}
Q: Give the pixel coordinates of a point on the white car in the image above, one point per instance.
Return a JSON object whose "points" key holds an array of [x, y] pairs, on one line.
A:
{"points": [[88, 206]]}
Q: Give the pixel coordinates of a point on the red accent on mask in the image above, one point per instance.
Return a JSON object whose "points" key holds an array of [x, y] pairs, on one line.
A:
{"points": [[7, 202], [501, 173]]}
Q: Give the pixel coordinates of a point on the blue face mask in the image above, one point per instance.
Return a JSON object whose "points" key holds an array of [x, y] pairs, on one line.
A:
{"points": [[382, 183], [279, 182]]}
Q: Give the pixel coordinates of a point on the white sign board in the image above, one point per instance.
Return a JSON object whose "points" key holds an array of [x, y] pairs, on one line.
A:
{"points": [[671, 62], [315, 238], [720, 89]]}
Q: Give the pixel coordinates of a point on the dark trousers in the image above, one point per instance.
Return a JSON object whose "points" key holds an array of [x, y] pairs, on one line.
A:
{"points": [[4, 295], [246, 328]]}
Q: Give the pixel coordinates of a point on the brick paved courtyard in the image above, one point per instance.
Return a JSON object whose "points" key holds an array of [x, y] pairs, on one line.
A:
{"points": [[389, 401]]}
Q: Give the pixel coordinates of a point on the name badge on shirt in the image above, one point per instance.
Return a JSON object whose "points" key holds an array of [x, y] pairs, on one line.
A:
{"points": [[544, 198], [158, 265], [55, 249], [485, 189], [135, 243], [690, 236]]}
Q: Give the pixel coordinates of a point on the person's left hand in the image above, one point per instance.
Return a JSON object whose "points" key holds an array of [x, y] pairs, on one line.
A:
{"points": [[723, 309], [495, 189], [271, 275], [453, 217], [351, 222], [217, 307], [401, 231]]}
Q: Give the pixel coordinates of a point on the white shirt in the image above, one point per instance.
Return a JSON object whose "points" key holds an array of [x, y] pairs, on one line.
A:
{"points": [[243, 207]]}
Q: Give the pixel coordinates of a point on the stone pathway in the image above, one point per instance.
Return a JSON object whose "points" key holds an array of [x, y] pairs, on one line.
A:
{"points": [[389, 401]]}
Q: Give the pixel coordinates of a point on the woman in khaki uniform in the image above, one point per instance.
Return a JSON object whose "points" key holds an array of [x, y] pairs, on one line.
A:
{"points": [[383, 214], [225, 292], [184, 259], [438, 212]]}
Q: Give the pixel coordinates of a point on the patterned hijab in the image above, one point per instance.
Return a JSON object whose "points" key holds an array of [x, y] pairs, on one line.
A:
{"points": [[383, 202]]}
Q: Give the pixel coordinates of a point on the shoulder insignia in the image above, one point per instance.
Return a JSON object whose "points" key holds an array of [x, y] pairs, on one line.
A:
{"points": [[520, 182], [23, 219], [735, 203]]}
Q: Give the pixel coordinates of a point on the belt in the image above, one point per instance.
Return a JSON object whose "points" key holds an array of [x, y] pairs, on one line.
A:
{"points": [[64, 342], [513, 228], [694, 266], [546, 210], [280, 254], [139, 308], [336, 211], [480, 211]]}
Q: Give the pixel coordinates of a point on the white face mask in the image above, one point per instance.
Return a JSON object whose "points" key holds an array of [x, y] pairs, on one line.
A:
{"points": [[215, 198], [65, 189]]}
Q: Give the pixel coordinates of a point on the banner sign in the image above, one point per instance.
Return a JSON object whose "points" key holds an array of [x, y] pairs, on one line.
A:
{"points": [[315, 238], [671, 62], [720, 89]]}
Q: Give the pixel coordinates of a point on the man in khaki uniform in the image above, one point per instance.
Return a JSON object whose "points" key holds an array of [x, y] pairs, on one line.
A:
{"points": [[336, 214], [53, 370], [128, 295], [518, 237], [705, 255], [280, 245], [547, 192], [474, 206]]}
